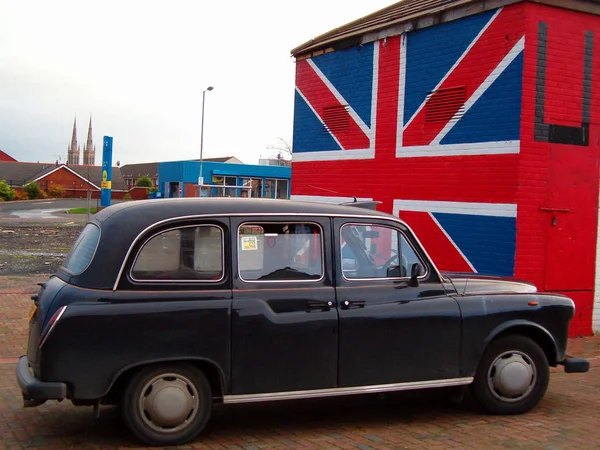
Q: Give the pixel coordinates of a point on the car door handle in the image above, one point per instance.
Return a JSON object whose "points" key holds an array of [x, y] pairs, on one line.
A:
{"points": [[319, 305], [347, 304]]}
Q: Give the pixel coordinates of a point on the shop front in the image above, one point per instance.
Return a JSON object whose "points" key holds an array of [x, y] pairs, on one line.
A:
{"points": [[180, 179]]}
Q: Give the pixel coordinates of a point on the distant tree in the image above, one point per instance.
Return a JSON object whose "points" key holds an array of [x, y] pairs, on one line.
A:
{"points": [[6, 192], [144, 182], [33, 190], [283, 146]]}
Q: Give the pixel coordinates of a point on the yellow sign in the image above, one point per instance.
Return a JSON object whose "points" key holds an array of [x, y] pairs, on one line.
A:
{"points": [[249, 243], [104, 175], [105, 184]]}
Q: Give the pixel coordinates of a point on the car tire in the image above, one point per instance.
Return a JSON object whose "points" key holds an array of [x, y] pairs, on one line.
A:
{"points": [[167, 405], [512, 376]]}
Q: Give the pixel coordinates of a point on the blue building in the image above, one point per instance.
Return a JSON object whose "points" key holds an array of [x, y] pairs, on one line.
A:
{"points": [[221, 179]]}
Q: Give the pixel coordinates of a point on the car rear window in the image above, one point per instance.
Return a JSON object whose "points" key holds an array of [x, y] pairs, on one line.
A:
{"points": [[184, 254], [82, 252]]}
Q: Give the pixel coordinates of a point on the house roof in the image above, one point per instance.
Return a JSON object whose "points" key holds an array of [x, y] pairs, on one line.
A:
{"points": [[221, 159], [408, 15], [4, 157], [21, 173], [94, 175], [140, 170]]}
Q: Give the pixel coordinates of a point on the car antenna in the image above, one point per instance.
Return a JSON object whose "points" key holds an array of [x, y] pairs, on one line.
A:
{"points": [[368, 204]]}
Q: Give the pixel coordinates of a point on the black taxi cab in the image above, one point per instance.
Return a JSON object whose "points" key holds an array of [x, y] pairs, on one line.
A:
{"points": [[167, 306]]}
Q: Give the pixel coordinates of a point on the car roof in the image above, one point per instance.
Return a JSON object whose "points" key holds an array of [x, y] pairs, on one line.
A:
{"points": [[178, 207], [122, 223]]}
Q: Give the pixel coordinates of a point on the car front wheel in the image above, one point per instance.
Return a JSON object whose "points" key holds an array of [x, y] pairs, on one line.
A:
{"points": [[512, 376], [167, 405]]}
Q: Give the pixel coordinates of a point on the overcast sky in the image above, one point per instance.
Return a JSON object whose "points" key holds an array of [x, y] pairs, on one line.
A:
{"points": [[140, 68]]}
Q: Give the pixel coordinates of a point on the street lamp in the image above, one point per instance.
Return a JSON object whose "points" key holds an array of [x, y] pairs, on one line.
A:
{"points": [[200, 178]]}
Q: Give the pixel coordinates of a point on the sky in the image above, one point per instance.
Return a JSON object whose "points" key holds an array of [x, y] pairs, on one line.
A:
{"points": [[140, 69]]}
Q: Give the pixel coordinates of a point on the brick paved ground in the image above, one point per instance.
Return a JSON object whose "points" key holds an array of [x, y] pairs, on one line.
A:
{"points": [[568, 417]]}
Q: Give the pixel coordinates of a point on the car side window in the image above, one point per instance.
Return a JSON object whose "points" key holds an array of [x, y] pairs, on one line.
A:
{"points": [[182, 254], [280, 252], [375, 251]]}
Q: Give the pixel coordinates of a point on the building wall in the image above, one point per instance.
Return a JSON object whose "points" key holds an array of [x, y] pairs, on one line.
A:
{"points": [[366, 124], [183, 175], [504, 184], [558, 174], [74, 185]]}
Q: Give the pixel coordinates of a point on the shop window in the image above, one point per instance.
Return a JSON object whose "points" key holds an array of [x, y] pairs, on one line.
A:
{"points": [[230, 191], [270, 188], [257, 187], [282, 189]]}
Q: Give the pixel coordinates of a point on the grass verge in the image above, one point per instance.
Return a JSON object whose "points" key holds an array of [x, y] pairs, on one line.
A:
{"points": [[93, 210]]}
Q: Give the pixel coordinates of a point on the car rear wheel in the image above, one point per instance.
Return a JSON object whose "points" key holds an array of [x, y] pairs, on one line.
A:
{"points": [[167, 405], [512, 376]]}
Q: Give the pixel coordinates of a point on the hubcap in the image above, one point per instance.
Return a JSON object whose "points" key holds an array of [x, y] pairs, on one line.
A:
{"points": [[168, 402], [512, 376]]}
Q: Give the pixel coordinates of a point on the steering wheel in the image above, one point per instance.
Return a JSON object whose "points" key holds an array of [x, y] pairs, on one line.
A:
{"points": [[393, 258]]}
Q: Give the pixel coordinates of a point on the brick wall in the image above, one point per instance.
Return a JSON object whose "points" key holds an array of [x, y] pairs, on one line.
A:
{"points": [[558, 176], [75, 186]]}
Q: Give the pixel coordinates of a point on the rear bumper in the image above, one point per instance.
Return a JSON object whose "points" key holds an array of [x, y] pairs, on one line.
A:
{"points": [[36, 392], [575, 365]]}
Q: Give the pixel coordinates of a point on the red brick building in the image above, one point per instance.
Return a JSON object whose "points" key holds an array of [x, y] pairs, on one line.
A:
{"points": [[477, 122]]}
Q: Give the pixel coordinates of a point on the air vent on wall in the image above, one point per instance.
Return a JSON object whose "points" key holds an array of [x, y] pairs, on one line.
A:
{"points": [[335, 118], [444, 104]]}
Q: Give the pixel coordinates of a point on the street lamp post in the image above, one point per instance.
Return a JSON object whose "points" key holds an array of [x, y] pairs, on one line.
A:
{"points": [[200, 177]]}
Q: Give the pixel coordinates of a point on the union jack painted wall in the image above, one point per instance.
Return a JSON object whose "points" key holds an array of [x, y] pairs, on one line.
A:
{"points": [[470, 131]]}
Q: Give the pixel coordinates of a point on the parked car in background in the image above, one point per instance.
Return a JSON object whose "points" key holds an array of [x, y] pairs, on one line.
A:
{"points": [[168, 306]]}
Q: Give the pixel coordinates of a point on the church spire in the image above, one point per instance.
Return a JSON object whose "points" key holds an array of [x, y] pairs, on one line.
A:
{"points": [[89, 151], [73, 151]]}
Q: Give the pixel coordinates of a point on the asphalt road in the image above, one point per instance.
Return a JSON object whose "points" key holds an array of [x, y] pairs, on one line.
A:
{"points": [[44, 209]]}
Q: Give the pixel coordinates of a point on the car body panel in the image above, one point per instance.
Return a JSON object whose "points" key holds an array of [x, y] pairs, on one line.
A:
{"points": [[277, 339]]}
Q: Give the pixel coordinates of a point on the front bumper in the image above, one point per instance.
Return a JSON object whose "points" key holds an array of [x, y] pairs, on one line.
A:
{"points": [[36, 392], [575, 365]]}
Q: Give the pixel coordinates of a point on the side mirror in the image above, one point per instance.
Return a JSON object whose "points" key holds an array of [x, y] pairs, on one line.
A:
{"points": [[415, 272]]}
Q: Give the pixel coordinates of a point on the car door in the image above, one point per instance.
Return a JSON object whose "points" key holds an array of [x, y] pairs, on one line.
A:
{"points": [[391, 329], [284, 319]]}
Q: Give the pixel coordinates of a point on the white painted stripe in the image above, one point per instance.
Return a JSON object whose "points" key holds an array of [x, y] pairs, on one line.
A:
{"points": [[596, 310], [334, 155], [512, 54], [453, 243], [472, 208], [333, 200], [458, 61], [375, 88], [363, 126], [316, 115], [476, 148], [401, 91]]}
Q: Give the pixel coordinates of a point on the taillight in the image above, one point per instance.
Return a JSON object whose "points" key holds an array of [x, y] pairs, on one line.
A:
{"points": [[51, 324]]}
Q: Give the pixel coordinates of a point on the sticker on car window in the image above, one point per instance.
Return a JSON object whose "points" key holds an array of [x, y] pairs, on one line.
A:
{"points": [[249, 243]]}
